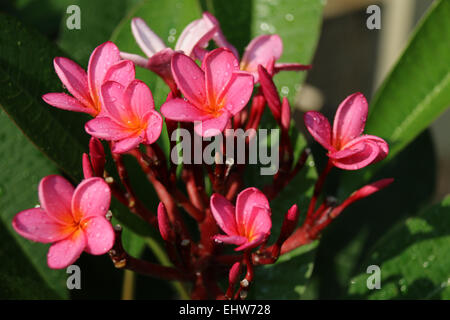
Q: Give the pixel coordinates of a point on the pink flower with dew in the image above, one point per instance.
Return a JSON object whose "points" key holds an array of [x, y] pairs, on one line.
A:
{"points": [[248, 225], [105, 64], [192, 41], [73, 220], [213, 93], [130, 117], [265, 50], [347, 148]]}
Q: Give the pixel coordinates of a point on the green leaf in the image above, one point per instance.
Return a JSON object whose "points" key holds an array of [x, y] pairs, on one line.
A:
{"points": [[98, 20], [417, 90], [26, 73], [296, 21], [24, 273], [413, 258], [288, 277]]}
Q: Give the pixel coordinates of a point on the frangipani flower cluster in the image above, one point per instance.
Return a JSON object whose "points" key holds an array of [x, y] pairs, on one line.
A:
{"points": [[210, 91]]}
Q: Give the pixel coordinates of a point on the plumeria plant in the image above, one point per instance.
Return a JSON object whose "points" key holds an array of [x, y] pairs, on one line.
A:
{"points": [[211, 90], [214, 218]]}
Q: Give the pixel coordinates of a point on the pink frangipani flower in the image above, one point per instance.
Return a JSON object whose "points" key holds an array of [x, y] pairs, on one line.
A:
{"points": [[248, 225], [130, 117], [265, 50], [213, 93], [347, 148], [105, 64], [73, 220]]}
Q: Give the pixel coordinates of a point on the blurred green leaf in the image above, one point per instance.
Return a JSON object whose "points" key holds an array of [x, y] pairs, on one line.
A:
{"points": [[288, 277], [296, 21], [413, 258], [24, 273]]}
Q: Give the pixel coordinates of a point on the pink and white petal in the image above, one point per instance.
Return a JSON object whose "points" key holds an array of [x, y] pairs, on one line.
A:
{"points": [[224, 214], [34, 224], [319, 127], [212, 126], [66, 102], [219, 66], [99, 235], [135, 58], [180, 110], [122, 72], [74, 79], [238, 92], [154, 126], [237, 240], [257, 241], [350, 119], [260, 51], [114, 105], [55, 196], [127, 144], [101, 59], [147, 40], [189, 78], [246, 202], [91, 198], [198, 32], [65, 252], [278, 67], [138, 98], [361, 159], [107, 129]]}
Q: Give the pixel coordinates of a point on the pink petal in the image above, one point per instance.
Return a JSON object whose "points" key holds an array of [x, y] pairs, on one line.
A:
{"points": [[238, 92], [237, 240], [102, 58], [213, 126], [219, 66], [114, 106], [139, 97], [350, 119], [74, 79], [122, 72], [159, 63], [198, 32], [87, 167], [91, 198], [127, 144], [55, 196], [223, 212], [258, 240], [154, 126], [319, 127], [246, 202], [65, 252], [34, 224], [360, 159], [219, 37], [99, 235], [135, 58], [189, 78], [105, 128], [179, 110], [260, 51], [66, 102], [147, 40]]}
